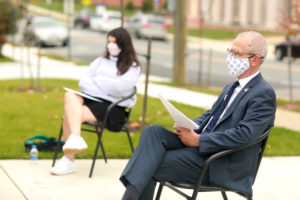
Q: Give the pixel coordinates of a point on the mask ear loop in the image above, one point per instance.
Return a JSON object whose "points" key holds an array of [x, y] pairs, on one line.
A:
{"points": [[261, 58], [251, 57]]}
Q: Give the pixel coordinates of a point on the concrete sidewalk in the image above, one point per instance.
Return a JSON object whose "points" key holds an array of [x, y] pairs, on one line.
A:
{"points": [[278, 179]]}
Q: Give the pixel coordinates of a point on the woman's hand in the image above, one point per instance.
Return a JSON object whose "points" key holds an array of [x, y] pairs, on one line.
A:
{"points": [[187, 136]]}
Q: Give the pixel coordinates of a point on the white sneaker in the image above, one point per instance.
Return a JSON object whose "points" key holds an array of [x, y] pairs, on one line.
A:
{"points": [[74, 144], [63, 166]]}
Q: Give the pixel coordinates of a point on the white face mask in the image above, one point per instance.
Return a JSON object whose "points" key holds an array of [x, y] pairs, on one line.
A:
{"points": [[237, 66], [113, 49]]}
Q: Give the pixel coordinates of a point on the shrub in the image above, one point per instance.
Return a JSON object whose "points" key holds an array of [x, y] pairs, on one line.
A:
{"points": [[130, 6], [8, 17], [147, 6]]}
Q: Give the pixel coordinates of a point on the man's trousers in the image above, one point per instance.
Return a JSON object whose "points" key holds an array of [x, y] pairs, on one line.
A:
{"points": [[160, 156]]}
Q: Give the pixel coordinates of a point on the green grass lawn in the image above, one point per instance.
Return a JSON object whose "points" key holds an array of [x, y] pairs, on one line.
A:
{"points": [[218, 34], [61, 58], [27, 113], [5, 59], [193, 87], [58, 6], [210, 33], [24, 114]]}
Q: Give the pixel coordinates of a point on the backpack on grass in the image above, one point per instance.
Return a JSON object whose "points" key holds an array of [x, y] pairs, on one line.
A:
{"points": [[43, 143]]}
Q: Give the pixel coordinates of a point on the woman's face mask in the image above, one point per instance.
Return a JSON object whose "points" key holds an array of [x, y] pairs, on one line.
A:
{"points": [[237, 66], [113, 49]]}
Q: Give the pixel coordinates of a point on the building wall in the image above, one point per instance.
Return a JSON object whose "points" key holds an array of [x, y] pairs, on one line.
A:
{"points": [[262, 14], [136, 3], [194, 16]]}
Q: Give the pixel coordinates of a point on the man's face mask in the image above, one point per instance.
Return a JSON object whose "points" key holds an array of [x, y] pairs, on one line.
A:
{"points": [[237, 66]]}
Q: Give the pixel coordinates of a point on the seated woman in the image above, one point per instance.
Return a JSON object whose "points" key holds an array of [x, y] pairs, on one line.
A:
{"points": [[109, 79]]}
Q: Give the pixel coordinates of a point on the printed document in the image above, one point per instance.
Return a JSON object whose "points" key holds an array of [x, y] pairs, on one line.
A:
{"points": [[179, 117], [82, 94]]}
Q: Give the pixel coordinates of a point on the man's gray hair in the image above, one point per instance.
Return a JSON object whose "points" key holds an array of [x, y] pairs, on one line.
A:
{"points": [[257, 43]]}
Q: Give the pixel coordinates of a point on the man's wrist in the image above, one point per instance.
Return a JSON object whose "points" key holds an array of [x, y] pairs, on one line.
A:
{"points": [[197, 140]]}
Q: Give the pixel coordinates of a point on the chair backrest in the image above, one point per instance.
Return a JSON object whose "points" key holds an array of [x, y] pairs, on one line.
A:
{"points": [[264, 139], [111, 106], [127, 114]]}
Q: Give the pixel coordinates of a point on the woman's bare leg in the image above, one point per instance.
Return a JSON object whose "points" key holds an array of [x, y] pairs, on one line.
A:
{"points": [[72, 114], [75, 113]]}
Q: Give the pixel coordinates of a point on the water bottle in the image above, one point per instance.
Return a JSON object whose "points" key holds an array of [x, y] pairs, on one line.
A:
{"points": [[34, 155]]}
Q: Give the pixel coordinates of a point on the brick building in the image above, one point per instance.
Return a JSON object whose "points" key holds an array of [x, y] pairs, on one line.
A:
{"points": [[259, 14], [136, 3]]}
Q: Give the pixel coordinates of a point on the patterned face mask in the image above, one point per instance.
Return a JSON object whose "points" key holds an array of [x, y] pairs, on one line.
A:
{"points": [[237, 66]]}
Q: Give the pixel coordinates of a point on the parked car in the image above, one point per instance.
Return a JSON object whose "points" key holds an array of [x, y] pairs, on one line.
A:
{"points": [[46, 31], [147, 25], [106, 21], [82, 19], [281, 49]]}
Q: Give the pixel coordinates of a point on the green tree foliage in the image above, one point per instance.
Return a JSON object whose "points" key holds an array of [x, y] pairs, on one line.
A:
{"points": [[130, 6], [9, 12], [290, 19], [147, 6]]}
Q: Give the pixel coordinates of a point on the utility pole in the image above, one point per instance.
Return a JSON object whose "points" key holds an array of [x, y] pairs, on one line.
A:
{"points": [[148, 57], [69, 10], [122, 13], [179, 41]]}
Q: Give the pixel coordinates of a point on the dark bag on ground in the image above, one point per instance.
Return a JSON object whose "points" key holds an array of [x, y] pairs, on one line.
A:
{"points": [[43, 143]]}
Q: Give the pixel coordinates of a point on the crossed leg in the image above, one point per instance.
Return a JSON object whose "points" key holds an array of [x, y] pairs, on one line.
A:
{"points": [[75, 113]]}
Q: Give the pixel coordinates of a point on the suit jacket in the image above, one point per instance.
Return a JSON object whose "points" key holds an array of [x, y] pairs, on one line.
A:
{"points": [[250, 114]]}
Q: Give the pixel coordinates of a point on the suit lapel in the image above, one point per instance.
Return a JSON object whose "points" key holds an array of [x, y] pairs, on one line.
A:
{"points": [[240, 95]]}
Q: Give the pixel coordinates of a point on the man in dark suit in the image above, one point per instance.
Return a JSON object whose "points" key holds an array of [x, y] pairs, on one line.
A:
{"points": [[244, 110]]}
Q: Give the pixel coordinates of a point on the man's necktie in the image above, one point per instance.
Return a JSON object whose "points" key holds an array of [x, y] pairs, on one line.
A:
{"points": [[216, 115]]}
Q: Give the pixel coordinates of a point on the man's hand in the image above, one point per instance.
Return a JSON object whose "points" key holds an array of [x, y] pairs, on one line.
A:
{"points": [[187, 136]]}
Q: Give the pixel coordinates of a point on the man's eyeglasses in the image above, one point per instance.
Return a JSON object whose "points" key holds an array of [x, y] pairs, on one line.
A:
{"points": [[237, 53]]}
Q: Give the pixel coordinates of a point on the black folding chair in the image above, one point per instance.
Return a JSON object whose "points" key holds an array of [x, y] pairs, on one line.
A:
{"points": [[98, 128], [198, 187]]}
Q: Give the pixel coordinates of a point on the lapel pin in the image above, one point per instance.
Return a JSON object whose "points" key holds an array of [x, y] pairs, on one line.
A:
{"points": [[246, 89]]}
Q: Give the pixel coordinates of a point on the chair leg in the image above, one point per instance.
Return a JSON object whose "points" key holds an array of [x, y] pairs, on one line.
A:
{"points": [[224, 195], [58, 145], [99, 143], [158, 194], [129, 139]]}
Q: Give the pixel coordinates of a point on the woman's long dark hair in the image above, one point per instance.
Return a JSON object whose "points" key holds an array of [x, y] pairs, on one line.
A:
{"points": [[127, 56]]}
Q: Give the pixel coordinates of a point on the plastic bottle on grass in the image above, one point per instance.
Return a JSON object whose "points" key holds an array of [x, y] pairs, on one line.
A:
{"points": [[34, 155]]}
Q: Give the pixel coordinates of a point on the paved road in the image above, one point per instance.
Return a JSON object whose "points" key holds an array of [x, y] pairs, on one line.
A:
{"points": [[212, 71]]}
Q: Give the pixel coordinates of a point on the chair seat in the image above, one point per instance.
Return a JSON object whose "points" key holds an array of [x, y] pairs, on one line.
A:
{"points": [[192, 186], [91, 123], [99, 124]]}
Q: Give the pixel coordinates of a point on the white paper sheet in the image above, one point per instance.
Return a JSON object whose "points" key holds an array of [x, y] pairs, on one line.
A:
{"points": [[82, 94], [179, 117]]}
